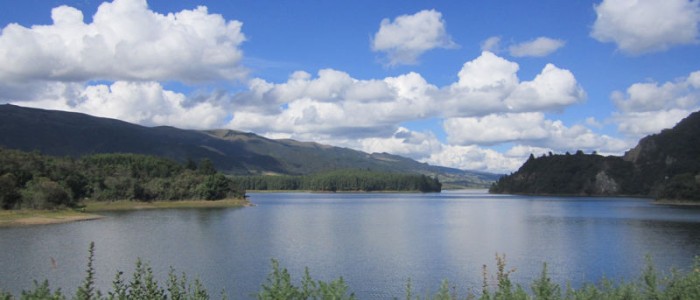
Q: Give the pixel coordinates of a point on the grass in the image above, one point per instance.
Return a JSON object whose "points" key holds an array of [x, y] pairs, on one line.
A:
{"points": [[99, 206], [91, 210], [42, 217]]}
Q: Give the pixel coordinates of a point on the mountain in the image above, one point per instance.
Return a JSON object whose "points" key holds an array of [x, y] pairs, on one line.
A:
{"points": [[664, 166], [73, 134]]}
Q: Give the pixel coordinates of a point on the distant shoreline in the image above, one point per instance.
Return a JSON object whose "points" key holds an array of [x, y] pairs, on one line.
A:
{"points": [[677, 203], [28, 217], [335, 192]]}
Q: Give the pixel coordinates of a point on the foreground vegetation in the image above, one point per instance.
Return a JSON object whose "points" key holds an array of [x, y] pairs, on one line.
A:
{"points": [[29, 180], [280, 285], [343, 181]]}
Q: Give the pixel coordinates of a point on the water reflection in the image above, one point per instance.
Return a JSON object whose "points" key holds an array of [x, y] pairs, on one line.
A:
{"points": [[375, 241]]}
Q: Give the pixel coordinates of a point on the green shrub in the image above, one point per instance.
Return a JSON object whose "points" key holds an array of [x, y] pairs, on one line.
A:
{"points": [[279, 285]]}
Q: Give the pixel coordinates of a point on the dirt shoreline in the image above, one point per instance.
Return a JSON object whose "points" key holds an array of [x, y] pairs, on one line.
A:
{"points": [[97, 207], [43, 217], [677, 203], [14, 218]]}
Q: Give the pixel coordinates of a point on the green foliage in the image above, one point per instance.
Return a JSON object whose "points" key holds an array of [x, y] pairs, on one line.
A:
{"points": [[665, 166], [31, 180], [87, 290], [9, 191], [279, 286], [684, 186], [543, 287], [216, 186], [578, 174], [43, 193], [42, 291], [344, 181]]}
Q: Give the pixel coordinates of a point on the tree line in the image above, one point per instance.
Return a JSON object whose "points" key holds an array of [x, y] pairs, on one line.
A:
{"points": [[577, 174], [592, 174], [30, 180], [343, 181]]}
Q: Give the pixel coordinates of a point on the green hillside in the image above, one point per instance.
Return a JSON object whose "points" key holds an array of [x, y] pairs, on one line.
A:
{"points": [[664, 166], [232, 152]]}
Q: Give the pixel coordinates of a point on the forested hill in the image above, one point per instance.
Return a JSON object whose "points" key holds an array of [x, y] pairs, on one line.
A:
{"points": [[663, 166], [232, 152]]}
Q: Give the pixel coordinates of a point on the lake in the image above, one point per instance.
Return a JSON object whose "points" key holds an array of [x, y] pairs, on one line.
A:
{"points": [[375, 241]]}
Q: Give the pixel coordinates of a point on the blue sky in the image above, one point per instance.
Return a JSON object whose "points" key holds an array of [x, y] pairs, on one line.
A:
{"points": [[469, 84]]}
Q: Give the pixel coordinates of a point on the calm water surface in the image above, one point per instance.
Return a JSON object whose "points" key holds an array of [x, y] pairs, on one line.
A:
{"points": [[375, 241]]}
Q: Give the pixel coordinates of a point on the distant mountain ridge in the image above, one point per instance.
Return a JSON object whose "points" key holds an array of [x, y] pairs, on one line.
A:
{"points": [[73, 134], [664, 166]]}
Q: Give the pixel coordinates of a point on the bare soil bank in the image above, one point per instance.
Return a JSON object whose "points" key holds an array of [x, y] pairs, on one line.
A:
{"points": [[89, 212]]}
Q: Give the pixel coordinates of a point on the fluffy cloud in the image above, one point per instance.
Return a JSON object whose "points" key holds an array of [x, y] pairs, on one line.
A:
{"points": [[334, 103], [405, 142], [476, 158], [490, 84], [647, 108], [407, 37], [684, 93], [539, 47], [488, 72], [125, 41], [531, 129], [552, 89], [640, 124], [495, 129], [642, 26], [144, 103]]}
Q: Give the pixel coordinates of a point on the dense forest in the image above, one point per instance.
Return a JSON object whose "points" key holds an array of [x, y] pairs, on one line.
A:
{"points": [[35, 181], [665, 166], [595, 175], [577, 174], [343, 181]]}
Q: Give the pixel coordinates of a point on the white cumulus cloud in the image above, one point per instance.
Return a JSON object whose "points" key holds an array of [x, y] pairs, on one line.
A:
{"points": [[405, 142], [495, 129], [552, 89], [475, 158], [146, 103], [334, 103], [643, 26], [407, 37], [529, 129], [490, 84], [539, 47], [647, 108], [124, 41]]}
